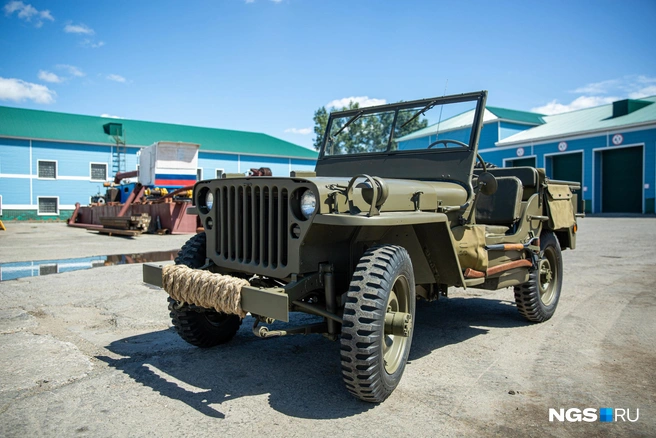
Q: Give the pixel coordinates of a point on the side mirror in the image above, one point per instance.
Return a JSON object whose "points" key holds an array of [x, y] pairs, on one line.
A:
{"points": [[487, 183]]}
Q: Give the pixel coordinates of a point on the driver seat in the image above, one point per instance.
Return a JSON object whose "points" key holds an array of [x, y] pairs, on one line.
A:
{"points": [[501, 210]]}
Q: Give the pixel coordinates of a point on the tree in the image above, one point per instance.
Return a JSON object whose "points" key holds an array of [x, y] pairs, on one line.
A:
{"points": [[369, 133]]}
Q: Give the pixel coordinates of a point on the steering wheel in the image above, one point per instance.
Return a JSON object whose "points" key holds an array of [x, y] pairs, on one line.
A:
{"points": [[446, 141], [459, 143]]}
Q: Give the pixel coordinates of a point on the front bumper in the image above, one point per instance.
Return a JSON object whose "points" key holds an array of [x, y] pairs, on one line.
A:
{"points": [[270, 302]]}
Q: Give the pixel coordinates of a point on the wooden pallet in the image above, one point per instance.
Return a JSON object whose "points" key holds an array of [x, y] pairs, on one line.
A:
{"points": [[141, 222], [117, 232]]}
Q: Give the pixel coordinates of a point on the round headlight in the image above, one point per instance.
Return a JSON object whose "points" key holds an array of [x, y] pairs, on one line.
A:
{"points": [[308, 203], [209, 200]]}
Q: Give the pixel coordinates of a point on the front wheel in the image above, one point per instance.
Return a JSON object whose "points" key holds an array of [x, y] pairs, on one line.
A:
{"points": [[378, 323], [200, 328], [537, 299]]}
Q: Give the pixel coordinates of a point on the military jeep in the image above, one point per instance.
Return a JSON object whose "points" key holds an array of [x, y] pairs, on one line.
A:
{"points": [[400, 207]]}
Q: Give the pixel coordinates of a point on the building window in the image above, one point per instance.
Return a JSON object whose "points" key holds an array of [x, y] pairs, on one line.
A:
{"points": [[199, 174], [47, 169], [98, 171], [48, 205], [219, 173]]}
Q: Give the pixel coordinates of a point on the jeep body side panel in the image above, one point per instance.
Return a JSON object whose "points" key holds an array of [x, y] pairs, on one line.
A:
{"points": [[428, 242]]}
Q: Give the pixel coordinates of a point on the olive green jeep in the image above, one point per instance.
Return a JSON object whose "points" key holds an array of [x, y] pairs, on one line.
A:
{"points": [[397, 209]]}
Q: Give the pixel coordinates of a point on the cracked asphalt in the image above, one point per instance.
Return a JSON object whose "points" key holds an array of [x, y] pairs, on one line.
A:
{"points": [[92, 353]]}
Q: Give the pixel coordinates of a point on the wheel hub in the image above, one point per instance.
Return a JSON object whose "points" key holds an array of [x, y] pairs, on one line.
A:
{"points": [[398, 325], [545, 280]]}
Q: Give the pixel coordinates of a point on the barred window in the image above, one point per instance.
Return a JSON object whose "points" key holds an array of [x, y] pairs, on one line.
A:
{"points": [[48, 205], [47, 169], [99, 171]]}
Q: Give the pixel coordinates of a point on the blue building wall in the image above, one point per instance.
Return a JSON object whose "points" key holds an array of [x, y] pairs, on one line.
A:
{"points": [[489, 136], [506, 129], [278, 166], [210, 162], [72, 159], [231, 163], [591, 147], [306, 165], [14, 156], [20, 186]]}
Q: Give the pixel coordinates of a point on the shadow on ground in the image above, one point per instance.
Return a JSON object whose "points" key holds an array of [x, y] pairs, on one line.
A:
{"points": [[454, 320], [301, 374]]}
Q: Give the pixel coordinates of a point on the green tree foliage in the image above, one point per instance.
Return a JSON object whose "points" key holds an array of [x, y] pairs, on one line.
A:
{"points": [[369, 133], [320, 123]]}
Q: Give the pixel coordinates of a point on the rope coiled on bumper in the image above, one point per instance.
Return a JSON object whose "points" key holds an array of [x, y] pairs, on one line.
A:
{"points": [[204, 289]]}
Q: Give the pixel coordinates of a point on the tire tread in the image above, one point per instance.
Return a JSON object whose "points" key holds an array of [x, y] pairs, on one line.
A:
{"points": [[364, 315]]}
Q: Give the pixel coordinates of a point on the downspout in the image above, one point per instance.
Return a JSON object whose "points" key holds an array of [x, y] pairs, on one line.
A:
{"points": [[31, 188]]}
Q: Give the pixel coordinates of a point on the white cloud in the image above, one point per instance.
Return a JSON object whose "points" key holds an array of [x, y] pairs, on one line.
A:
{"points": [[27, 12], [602, 87], [18, 90], [71, 69], [301, 131], [92, 44], [555, 107], [249, 1], [109, 116], [362, 101], [48, 76], [644, 87], [79, 29], [603, 92], [83, 29], [277, 1], [643, 92], [46, 15], [116, 78]]}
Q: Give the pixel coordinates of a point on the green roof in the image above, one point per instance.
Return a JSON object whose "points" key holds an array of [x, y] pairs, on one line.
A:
{"points": [[465, 120], [582, 121], [48, 125], [516, 116]]}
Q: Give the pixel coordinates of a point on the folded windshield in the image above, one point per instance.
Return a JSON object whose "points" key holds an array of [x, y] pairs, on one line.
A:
{"points": [[406, 127]]}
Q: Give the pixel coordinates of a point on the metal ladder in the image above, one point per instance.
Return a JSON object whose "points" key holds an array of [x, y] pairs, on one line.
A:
{"points": [[119, 156]]}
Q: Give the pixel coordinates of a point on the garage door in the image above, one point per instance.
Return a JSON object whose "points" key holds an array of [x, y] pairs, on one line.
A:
{"points": [[621, 180], [569, 167], [520, 162]]}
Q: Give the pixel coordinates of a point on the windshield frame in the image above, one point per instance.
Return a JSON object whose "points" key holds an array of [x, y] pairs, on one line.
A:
{"points": [[479, 97]]}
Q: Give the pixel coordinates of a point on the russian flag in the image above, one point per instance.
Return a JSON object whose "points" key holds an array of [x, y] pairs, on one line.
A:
{"points": [[174, 180]]}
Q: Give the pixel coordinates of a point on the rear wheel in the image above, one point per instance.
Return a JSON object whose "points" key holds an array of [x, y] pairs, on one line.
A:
{"points": [[537, 299], [377, 323], [200, 328]]}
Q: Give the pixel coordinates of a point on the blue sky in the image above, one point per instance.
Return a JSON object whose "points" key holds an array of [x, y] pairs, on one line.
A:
{"points": [[266, 66]]}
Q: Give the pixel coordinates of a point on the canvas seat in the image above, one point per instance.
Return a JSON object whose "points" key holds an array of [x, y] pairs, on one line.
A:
{"points": [[500, 211]]}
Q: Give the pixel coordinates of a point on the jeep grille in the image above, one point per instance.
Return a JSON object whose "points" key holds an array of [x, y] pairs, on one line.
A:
{"points": [[252, 224]]}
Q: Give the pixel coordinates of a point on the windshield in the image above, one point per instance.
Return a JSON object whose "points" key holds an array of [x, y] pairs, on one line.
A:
{"points": [[406, 126]]}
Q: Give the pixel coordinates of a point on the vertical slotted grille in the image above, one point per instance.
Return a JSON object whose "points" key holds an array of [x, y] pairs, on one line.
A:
{"points": [[252, 224]]}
